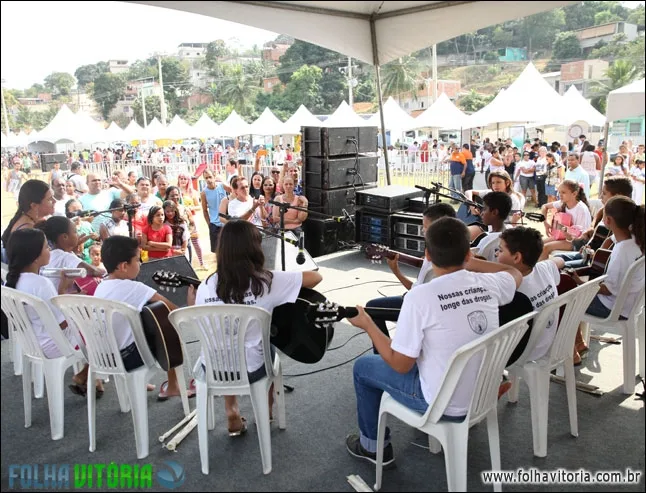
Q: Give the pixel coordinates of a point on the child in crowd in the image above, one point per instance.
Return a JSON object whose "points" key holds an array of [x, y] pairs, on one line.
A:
{"points": [[117, 224], [497, 206], [157, 237], [95, 256], [178, 228], [637, 177]]}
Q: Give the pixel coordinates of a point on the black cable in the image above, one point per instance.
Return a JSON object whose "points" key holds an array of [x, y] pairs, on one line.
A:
{"points": [[349, 339], [358, 284], [329, 367]]}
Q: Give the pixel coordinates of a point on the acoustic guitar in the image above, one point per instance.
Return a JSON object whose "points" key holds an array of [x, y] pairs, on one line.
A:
{"points": [[600, 235], [562, 225], [376, 253], [465, 215], [598, 265], [293, 330], [163, 340]]}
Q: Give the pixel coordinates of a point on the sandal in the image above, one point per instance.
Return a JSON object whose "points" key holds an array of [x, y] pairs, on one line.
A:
{"points": [[163, 391], [241, 431], [81, 390]]}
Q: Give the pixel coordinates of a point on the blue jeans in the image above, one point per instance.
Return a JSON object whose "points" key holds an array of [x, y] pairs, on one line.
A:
{"points": [[456, 183], [385, 302], [598, 309], [372, 375], [573, 259]]}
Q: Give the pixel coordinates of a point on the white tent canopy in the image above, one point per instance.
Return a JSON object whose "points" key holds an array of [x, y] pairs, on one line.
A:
{"points": [[234, 126], [441, 114], [580, 110], [302, 118], [395, 117], [63, 128], [205, 127], [375, 32], [179, 129], [267, 124], [344, 116], [626, 102], [527, 100], [93, 130], [156, 131], [134, 132], [114, 133]]}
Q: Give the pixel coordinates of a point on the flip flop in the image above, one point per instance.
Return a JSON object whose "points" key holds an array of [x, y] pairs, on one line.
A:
{"points": [[241, 431], [163, 389], [78, 389]]}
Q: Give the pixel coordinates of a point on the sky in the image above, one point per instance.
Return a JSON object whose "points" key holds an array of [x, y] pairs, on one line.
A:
{"points": [[38, 38]]}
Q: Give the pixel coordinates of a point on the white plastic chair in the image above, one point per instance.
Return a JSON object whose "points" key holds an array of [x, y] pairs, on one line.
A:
{"points": [[14, 303], [94, 318], [221, 331], [494, 349], [537, 373], [630, 329], [16, 351]]}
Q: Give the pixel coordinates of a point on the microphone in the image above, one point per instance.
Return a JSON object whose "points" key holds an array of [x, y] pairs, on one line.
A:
{"points": [[53, 273], [300, 258], [72, 215]]}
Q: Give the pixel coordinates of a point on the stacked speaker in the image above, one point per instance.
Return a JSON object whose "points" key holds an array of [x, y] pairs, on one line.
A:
{"points": [[337, 162]]}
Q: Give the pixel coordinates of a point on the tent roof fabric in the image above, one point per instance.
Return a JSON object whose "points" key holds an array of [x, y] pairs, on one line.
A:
{"points": [[205, 127], [441, 114], [267, 124], [179, 129], [529, 99], [234, 126], [344, 116], [133, 132], [398, 27], [580, 110], [114, 133], [626, 102], [302, 118], [395, 117]]}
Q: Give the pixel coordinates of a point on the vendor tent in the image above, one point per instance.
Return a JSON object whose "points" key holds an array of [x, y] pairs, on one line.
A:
{"points": [[64, 128], [578, 109], [441, 114], [626, 102], [302, 118], [178, 129], [344, 116], [133, 132], [267, 124], [205, 128], [395, 117], [114, 133], [234, 126]]}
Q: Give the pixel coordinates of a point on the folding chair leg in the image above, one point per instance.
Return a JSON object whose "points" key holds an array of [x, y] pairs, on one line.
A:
{"points": [[26, 388], [39, 379], [259, 393], [628, 344], [16, 356], [91, 410], [381, 438], [494, 444], [136, 383], [570, 386], [455, 457], [539, 394], [55, 378], [202, 405]]}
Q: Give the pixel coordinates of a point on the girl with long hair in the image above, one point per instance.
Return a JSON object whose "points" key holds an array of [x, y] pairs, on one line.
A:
{"points": [[555, 173], [35, 202], [28, 252], [574, 202], [157, 237], [255, 186], [177, 226], [186, 206], [241, 278]]}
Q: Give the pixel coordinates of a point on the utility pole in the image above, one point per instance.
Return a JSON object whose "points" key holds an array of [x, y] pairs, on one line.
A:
{"points": [[4, 110], [350, 96], [143, 105], [161, 97], [434, 67]]}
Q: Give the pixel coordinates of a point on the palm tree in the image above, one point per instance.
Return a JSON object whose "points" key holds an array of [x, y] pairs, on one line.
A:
{"points": [[400, 76], [238, 89], [619, 74]]}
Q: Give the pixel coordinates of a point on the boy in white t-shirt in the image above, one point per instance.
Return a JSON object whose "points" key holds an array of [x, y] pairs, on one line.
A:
{"points": [[459, 305], [637, 176], [521, 247], [497, 206], [120, 256]]}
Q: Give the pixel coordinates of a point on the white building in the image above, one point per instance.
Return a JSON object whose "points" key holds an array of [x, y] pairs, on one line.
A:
{"points": [[604, 33], [118, 66]]}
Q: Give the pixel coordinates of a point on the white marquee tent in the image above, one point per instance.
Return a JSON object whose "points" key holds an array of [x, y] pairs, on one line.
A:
{"points": [[302, 118], [64, 128], [578, 109], [114, 133], [179, 129], [205, 128], [529, 99], [267, 124], [442, 114], [156, 131], [375, 32], [344, 116], [133, 132], [234, 126], [396, 119], [626, 102]]}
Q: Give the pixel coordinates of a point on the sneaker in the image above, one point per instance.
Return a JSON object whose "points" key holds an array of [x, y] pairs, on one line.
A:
{"points": [[353, 444]]}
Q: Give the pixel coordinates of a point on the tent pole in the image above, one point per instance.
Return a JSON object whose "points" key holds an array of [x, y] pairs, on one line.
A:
{"points": [[605, 155], [375, 56]]}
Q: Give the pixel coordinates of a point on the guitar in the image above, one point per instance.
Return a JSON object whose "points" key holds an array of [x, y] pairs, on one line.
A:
{"points": [[377, 252], [465, 215], [163, 339], [562, 226], [598, 265], [87, 284], [292, 330], [600, 235]]}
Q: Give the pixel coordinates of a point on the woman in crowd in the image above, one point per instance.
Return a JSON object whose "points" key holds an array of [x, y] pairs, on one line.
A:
{"points": [[173, 194], [555, 173], [293, 218], [269, 192], [255, 189], [177, 226]]}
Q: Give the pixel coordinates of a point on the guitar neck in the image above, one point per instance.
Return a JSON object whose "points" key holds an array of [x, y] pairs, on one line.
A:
{"points": [[406, 259], [190, 281], [376, 313]]}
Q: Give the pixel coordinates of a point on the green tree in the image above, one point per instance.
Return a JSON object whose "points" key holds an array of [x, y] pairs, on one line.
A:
{"points": [[142, 69], [215, 50], [581, 14], [501, 37], [605, 17], [636, 16], [218, 112], [106, 90], [303, 88], [538, 31], [473, 101], [400, 76], [366, 90], [59, 83], [86, 74], [619, 74], [238, 90], [35, 90], [566, 47], [153, 109], [177, 83]]}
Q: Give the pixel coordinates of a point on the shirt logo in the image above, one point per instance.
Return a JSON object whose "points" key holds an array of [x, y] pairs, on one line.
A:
{"points": [[477, 322]]}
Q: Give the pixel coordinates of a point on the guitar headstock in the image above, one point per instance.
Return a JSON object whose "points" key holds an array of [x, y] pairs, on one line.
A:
{"points": [[168, 280], [323, 314], [376, 253]]}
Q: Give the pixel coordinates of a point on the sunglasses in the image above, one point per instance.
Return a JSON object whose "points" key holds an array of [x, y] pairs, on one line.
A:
{"points": [[275, 172]]}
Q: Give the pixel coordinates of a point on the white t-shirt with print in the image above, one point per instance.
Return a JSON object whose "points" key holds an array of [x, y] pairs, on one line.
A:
{"points": [[540, 287], [622, 256], [524, 167], [285, 287], [443, 315], [59, 259], [638, 187], [580, 214], [134, 293], [426, 269], [43, 288], [488, 245], [238, 208]]}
